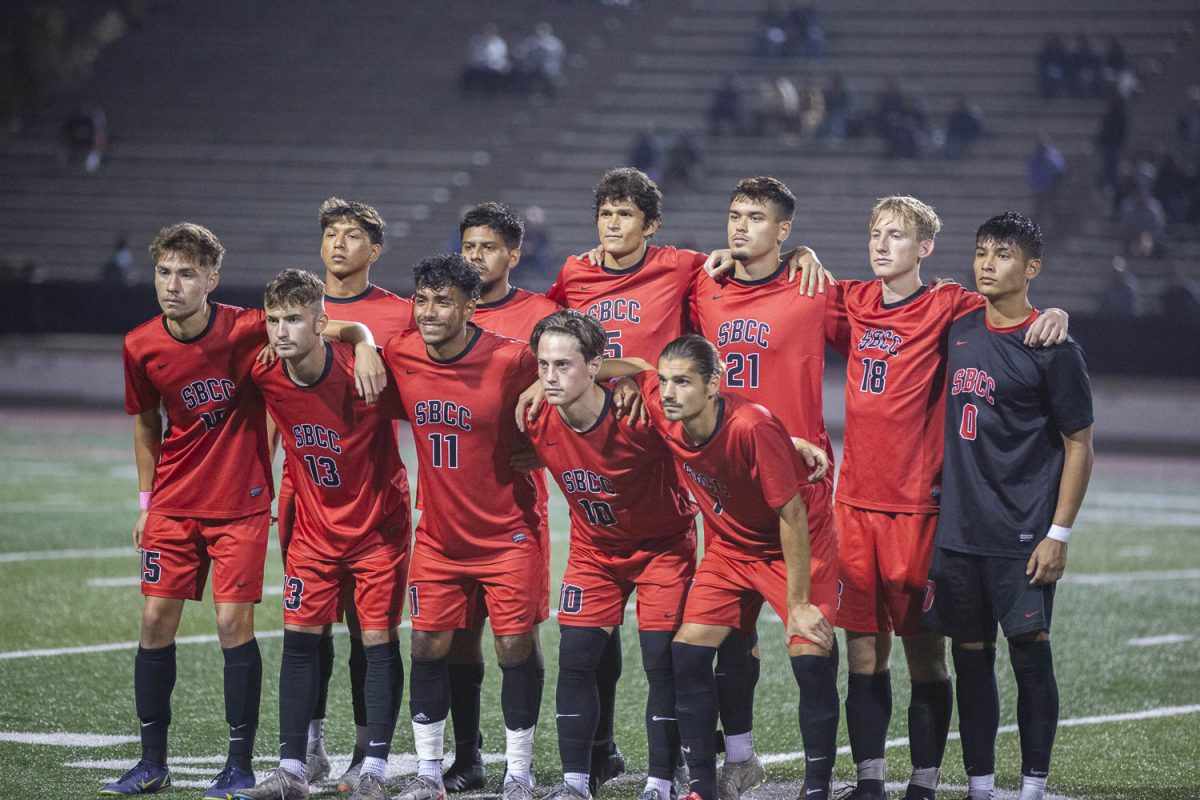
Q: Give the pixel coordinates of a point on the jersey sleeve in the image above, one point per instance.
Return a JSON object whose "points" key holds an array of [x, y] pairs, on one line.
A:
{"points": [[1068, 389], [558, 291], [774, 462], [963, 300], [837, 319], [140, 393]]}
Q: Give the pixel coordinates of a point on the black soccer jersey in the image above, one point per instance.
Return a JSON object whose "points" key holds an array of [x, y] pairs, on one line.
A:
{"points": [[1007, 406]]}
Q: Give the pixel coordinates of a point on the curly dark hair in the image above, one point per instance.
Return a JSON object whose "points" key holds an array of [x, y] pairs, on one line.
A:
{"points": [[627, 183], [447, 269]]}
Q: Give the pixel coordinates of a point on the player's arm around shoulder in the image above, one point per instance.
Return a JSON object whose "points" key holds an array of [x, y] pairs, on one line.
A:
{"points": [[370, 375], [1050, 328]]}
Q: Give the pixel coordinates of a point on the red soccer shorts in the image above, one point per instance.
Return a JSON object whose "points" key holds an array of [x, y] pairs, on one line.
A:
{"points": [[726, 589], [313, 587], [443, 595], [884, 558], [597, 585], [178, 551], [286, 513]]}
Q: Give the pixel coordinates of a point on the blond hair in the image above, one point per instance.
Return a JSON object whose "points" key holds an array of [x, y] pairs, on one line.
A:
{"points": [[912, 211]]}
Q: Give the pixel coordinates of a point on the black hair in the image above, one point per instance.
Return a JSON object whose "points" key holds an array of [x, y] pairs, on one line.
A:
{"points": [[585, 330], [500, 218], [447, 269], [768, 191], [627, 183], [1014, 229], [335, 209], [700, 351]]}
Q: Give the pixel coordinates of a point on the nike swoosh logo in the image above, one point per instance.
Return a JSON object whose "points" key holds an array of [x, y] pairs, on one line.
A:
{"points": [[377, 744], [235, 738], [657, 718], [685, 749], [147, 724], [551, 444], [238, 727], [560, 716], [961, 341], [819, 758], [1031, 615], [716, 297]]}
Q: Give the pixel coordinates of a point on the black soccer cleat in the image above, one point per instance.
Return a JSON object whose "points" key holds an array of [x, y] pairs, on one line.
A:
{"points": [[606, 767], [466, 776]]}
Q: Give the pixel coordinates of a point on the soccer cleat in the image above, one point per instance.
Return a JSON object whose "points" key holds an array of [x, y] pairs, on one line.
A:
{"points": [[316, 766], [683, 777], [852, 792], [422, 788], [278, 784], [740, 776], [349, 780], [466, 776], [229, 782], [607, 768], [655, 794], [515, 790], [145, 777], [370, 787], [914, 792], [564, 791]]}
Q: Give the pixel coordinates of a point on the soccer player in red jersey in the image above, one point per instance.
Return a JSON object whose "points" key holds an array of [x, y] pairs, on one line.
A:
{"points": [[352, 235], [352, 530], [483, 529], [744, 470], [894, 331], [205, 493], [491, 237], [773, 346], [632, 526]]}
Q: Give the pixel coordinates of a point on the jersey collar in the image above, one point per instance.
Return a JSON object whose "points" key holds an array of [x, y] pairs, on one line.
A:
{"points": [[1020, 326], [508, 298], [470, 345], [212, 318], [761, 281], [911, 298], [360, 296], [324, 372], [632, 269]]}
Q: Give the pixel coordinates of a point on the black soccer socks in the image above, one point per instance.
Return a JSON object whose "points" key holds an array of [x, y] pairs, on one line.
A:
{"points": [[521, 693], [662, 729], [737, 676], [978, 707], [868, 712], [299, 677], [358, 680], [1037, 704], [696, 701], [819, 711], [577, 698], [608, 673], [382, 690], [153, 682], [429, 690], [929, 723], [466, 682], [243, 689], [325, 666]]}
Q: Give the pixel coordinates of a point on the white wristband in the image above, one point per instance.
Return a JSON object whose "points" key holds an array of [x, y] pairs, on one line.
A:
{"points": [[1059, 534]]}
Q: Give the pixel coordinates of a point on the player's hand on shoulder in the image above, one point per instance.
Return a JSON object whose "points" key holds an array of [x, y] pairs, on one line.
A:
{"points": [[942, 283], [595, 256], [267, 355], [803, 263], [529, 404], [807, 621], [628, 401], [1050, 328], [816, 459], [370, 374], [719, 263], [1048, 562]]}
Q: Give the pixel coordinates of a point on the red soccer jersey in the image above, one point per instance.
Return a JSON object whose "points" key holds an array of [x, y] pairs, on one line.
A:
{"points": [[895, 392], [619, 480], [642, 308], [746, 469], [476, 507], [213, 462], [773, 344], [515, 315], [384, 313], [341, 453]]}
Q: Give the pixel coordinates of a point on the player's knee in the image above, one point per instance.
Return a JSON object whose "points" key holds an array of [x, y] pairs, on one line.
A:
{"points": [[515, 648], [580, 649], [466, 647], [692, 665], [926, 656], [430, 644], [235, 623], [656, 655], [160, 621]]}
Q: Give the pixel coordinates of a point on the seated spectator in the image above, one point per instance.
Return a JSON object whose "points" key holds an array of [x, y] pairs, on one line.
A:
{"points": [[83, 138], [535, 246], [684, 162], [1110, 140], [904, 125], [1046, 172], [1174, 188], [1085, 69], [773, 30], [1052, 65], [726, 111], [1142, 224], [805, 35], [1118, 72], [646, 153], [812, 109], [1187, 127], [1119, 297], [1180, 296], [119, 267], [776, 107], [963, 127], [841, 119], [539, 60], [488, 66]]}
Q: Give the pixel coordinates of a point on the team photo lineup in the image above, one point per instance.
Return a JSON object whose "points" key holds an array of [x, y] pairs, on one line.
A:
{"points": [[675, 399]]}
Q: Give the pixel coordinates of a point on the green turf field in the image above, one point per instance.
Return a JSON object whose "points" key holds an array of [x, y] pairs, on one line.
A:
{"points": [[1126, 632]]}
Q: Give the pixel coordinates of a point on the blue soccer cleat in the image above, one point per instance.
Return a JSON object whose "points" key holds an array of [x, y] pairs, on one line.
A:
{"points": [[229, 782], [145, 777]]}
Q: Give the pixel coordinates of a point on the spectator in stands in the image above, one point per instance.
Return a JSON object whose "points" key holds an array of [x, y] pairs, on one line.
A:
{"points": [[1052, 65], [1180, 296], [1110, 140], [812, 109], [841, 119], [119, 267], [805, 34], [1119, 297], [903, 123], [1118, 72], [83, 138], [647, 153], [1047, 174], [776, 107], [539, 60], [1187, 127], [1085, 69], [726, 111], [772, 30], [1174, 188], [684, 162], [535, 247], [488, 66], [963, 127], [1142, 224]]}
